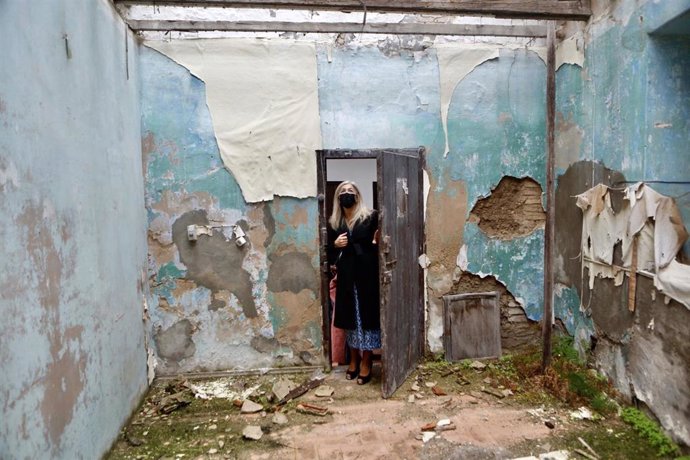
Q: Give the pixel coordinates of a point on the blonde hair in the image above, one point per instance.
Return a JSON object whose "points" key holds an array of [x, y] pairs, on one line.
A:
{"points": [[360, 212]]}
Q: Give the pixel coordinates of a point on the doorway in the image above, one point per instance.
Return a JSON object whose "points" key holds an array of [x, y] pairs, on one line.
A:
{"points": [[397, 193]]}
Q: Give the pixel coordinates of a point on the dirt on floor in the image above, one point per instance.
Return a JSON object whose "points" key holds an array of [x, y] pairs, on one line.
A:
{"points": [[443, 410]]}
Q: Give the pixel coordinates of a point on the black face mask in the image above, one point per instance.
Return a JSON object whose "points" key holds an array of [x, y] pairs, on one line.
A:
{"points": [[347, 200]]}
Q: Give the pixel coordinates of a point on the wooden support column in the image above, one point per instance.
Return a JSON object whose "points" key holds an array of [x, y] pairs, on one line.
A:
{"points": [[549, 237]]}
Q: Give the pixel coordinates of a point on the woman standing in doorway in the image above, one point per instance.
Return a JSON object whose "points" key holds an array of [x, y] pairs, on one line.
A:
{"points": [[352, 248]]}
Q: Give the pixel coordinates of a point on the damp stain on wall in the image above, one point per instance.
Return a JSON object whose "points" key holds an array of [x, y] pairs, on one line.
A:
{"points": [[64, 376], [213, 261]]}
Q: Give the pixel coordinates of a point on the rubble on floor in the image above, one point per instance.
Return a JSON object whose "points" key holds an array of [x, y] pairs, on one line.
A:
{"points": [[444, 410]]}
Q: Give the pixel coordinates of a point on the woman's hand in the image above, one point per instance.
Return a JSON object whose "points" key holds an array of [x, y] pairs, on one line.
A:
{"points": [[341, 241], [376, 237]]}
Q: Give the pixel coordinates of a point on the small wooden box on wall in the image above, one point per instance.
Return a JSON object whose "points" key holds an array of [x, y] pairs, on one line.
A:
{"points": [[472, 325]]}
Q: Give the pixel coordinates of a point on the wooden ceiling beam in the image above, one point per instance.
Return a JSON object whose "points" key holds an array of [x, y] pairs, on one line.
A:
{"points": [[339, 27], [578, 10]]}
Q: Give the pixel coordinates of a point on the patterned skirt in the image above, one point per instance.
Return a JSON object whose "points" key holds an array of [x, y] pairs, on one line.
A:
{"points": [[362, 339]]}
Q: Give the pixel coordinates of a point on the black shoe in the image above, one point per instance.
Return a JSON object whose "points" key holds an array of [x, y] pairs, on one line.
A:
{"points": [[351, 375], [364, 379]]}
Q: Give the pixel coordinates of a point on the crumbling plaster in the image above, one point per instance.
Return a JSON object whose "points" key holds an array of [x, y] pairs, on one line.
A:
{"points": [[495, 125], [622, 118], [495, 128], [72, 271], [217, 306], [264, 112]]}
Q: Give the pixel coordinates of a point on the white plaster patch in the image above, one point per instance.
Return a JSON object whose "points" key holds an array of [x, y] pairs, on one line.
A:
{"points": [[558, 289], [435, 332], [49, 211], [424, 261], [461, 261], [265, 111], [571, 51], [151, 364]]}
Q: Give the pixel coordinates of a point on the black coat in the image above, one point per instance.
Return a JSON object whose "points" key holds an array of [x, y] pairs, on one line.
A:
{"points": [[358, 265]]}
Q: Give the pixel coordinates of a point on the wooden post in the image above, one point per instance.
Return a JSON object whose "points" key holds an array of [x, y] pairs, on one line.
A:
{"points": [[323, 257], [549, 237], [632, 276]]}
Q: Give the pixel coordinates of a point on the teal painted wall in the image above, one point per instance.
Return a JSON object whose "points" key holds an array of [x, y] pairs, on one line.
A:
{"points": [[625, 118], [629, 109], [72, 236], [216, 306], [369, 96], [496, 126]]}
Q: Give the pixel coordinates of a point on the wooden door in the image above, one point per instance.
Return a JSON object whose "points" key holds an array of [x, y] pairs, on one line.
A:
{"points": [[400, 196]]}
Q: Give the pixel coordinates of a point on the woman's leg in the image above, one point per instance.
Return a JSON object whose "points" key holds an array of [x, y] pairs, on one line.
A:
{"points": [[353, 368], [354, 359], [365, 369]]}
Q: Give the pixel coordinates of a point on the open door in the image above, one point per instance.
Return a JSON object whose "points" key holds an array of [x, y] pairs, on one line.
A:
{"points": [[401, 219], [401, 243]]}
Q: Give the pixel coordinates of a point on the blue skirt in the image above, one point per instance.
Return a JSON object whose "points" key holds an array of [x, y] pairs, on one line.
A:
{"points": [[362, 339]]}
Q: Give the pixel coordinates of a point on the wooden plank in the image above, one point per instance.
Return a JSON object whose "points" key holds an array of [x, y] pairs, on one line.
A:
{"points": [[402, 307], [353, 153], [421, 229], [549, 234], [632, 277], [538, 9], [341, 27], [472, 325], [323, 257]]}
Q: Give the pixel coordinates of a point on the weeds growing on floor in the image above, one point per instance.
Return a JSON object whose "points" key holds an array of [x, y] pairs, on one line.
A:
{"points": [[567, 379], [650, 430]]}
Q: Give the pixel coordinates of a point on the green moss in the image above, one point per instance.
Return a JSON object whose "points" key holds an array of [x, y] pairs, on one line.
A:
{"points": [[650, 430], [610, 439], [580, 385]]}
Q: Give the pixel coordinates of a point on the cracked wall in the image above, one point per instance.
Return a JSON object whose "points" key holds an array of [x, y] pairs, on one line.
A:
{"points": [[72, 342], [495, 120], [217, 306], [621, 119], [496, 129]]}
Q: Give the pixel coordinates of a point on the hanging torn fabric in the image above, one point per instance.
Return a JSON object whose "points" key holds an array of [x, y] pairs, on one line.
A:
{"points": [[650, 229]]}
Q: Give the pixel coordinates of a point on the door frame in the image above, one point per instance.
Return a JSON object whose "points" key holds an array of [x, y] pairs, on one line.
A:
{"points": [[322, 156]]}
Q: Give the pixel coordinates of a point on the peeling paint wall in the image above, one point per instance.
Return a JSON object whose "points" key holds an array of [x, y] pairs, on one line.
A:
{"points": [[623, 118], [373, 97], [496, 127], [72, 271], [217, 306], [264, 112]]}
